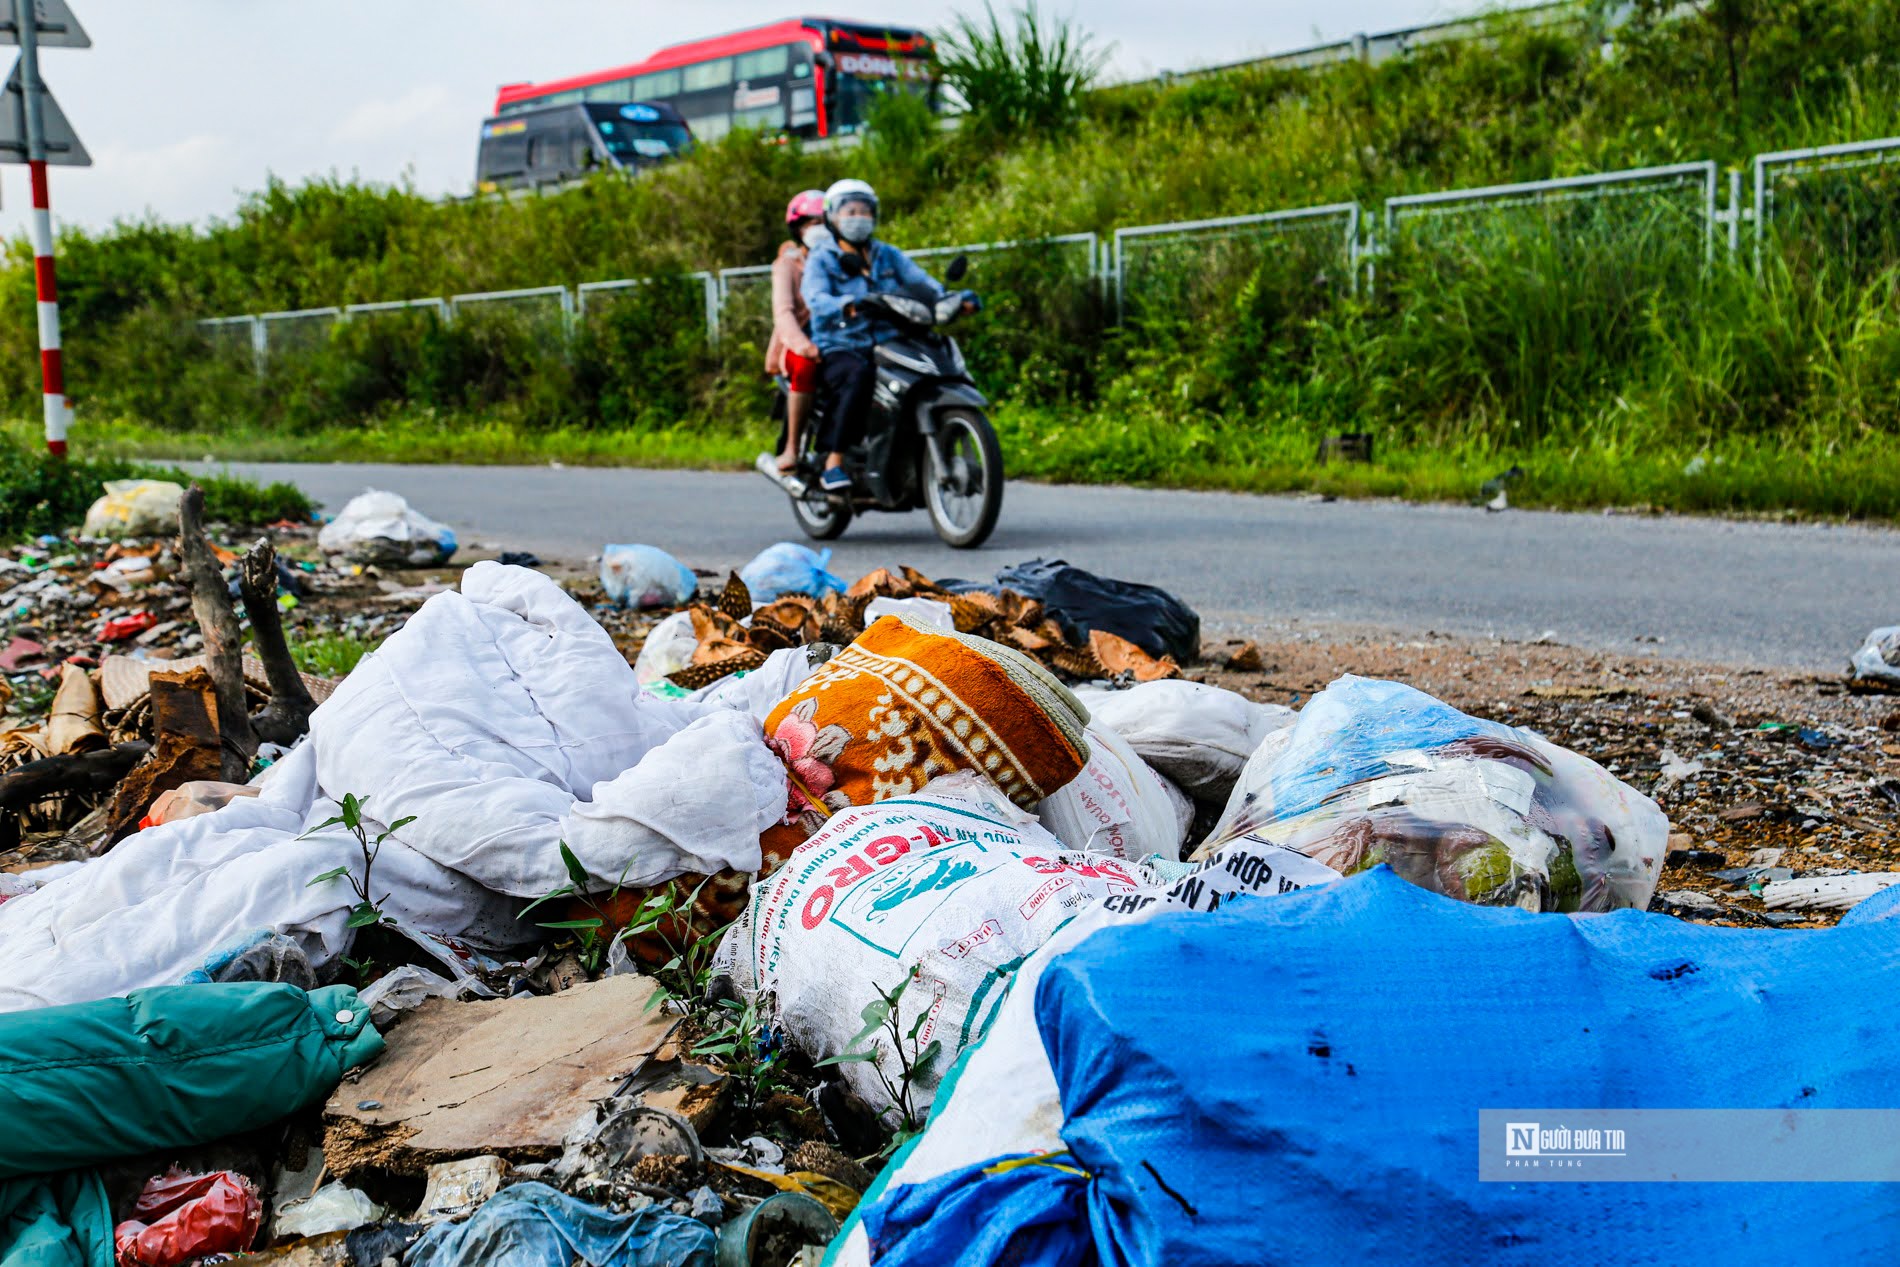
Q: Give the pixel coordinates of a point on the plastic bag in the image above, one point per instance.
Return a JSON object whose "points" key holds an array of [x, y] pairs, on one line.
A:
{"points": [[926, 611], [1379, 772], [948, 889], [1151, 618], [1117, 804], [668, 649], [135, 508], [645, 576], [789, 568], [180, 1217], [380, 528], [188, 800], [402, 988], [1879, 657], [1199, 736], [331, 1208]]}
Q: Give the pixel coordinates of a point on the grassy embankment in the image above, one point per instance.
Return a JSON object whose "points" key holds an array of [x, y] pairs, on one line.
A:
{"points": [[1587, 343]]}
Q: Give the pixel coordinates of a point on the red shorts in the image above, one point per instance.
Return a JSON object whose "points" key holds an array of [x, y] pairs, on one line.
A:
{"points": [[801, 374]]}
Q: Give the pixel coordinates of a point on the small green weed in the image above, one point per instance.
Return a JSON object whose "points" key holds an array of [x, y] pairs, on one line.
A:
{"points": [[914, 1061], [368, 910]]}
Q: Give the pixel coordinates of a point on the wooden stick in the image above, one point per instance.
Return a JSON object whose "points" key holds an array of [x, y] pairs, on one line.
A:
{"points": [[224, 641], [82, 773], [287, 717]]}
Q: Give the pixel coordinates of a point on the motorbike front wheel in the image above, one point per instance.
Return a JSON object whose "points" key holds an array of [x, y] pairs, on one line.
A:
{"points": [[963, 478]]}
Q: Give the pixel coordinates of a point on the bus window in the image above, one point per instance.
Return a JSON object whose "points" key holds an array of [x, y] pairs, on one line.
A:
{"points": [[768, 118], [710, 127], [617, 90], [713, 74], [656, 86], [766, 63], [561, 98], [503, 157]]}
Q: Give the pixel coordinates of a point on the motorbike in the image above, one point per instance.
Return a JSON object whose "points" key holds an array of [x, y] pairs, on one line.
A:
{"points": [[928, 442]]}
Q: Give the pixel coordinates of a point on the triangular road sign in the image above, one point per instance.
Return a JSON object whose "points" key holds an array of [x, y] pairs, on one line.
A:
{"points": [[62, 143], [57, 26]]}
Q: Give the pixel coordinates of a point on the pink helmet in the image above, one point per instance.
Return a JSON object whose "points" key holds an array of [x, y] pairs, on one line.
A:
{"points": [[808, 204]]}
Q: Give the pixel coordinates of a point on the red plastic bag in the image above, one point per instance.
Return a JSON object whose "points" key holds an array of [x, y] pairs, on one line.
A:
{"points": [[126, 626], [180, 1217]]}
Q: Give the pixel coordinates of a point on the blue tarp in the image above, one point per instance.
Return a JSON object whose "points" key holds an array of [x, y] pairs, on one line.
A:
{"points": [[1300, 1080]]}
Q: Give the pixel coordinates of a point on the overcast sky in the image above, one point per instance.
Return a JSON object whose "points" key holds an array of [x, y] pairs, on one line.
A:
{"points": [[186, 104]]}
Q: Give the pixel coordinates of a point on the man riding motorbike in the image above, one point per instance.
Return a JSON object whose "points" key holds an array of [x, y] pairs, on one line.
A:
{"points": [[837, 275]]}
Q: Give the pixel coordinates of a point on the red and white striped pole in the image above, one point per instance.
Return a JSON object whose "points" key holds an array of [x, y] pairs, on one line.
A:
{"points": [[46, 291], [52, 373]]}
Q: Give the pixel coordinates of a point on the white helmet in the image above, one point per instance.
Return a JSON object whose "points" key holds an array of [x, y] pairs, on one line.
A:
{"points": [[857, 229], [846, 190]]}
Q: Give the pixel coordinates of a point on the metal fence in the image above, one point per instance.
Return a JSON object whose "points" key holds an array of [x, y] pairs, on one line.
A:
{"points": [[1851, 191]]}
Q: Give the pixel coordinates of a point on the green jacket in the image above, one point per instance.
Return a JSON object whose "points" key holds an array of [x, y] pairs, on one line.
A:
{"points": [[155, 1070]]}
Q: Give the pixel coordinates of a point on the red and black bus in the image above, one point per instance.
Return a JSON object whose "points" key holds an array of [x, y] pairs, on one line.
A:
{"points": [[805, 77]]}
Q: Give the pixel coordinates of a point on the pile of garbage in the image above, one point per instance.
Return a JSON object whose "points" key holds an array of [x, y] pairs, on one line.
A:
{"points": [[860, 915], [1081, 626]]}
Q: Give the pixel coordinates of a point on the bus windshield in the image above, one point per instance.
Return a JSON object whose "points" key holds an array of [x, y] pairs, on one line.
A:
{"points": [[628, 141], [635, 132]]}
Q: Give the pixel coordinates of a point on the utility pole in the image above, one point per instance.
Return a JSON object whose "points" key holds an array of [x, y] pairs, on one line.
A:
{"points": [[34, 130]]}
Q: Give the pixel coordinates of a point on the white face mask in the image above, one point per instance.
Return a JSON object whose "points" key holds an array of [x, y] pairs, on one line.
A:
{"points": [[856, 230], [816, 236]]}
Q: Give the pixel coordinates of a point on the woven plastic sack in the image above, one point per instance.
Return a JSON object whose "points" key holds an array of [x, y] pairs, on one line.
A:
{"points": [[951, 887], [1117, 805], [1379, 772], [789, 568], [1326, 1106], [381, 528], [645, 576], [135, 508]]}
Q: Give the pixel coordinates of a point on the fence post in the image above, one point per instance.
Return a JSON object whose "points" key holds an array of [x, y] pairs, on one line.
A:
{"points": [[711, 285]]}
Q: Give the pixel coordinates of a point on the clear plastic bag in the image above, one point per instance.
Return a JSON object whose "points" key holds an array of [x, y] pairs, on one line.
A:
{"points": [[1377, 772], [645, 576], [668, 649], [1878, 659], [188, 800]]}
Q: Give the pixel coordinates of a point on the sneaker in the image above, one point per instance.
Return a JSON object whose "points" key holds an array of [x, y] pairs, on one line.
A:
{"points": [[835, 480]]}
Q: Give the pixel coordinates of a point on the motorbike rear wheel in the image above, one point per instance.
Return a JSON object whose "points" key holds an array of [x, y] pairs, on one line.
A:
{"points": [[964, 496], [822, 518]]}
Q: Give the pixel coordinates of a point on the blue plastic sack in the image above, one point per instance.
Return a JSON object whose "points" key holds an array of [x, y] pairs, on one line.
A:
{"points": [[1308, 1086], [789, 568], [645, 576], [533, 1225]]}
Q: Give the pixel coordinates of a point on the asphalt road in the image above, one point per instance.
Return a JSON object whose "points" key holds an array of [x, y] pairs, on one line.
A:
{"points": [[1741, 593]]}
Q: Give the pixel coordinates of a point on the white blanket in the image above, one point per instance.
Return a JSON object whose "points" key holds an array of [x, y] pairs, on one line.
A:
{"points": [[501, 717]]}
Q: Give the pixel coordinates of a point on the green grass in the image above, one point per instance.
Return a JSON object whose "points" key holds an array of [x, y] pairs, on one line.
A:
{"points": [[330, 655], [42, 494]]}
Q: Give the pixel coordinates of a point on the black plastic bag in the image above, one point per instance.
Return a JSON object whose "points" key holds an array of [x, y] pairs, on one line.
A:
{"points": [[1151, 618]]}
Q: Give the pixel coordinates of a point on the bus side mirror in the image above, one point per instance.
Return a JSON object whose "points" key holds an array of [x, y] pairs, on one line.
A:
{"points": [[958, 267]]}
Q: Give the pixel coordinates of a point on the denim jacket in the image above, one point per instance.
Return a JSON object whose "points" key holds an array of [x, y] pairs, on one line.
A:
{"points": [[827, 290]]}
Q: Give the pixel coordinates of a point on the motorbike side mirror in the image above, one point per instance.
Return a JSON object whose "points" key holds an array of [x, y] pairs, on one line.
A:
{"points": [[853, 265], [958, 267]]}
